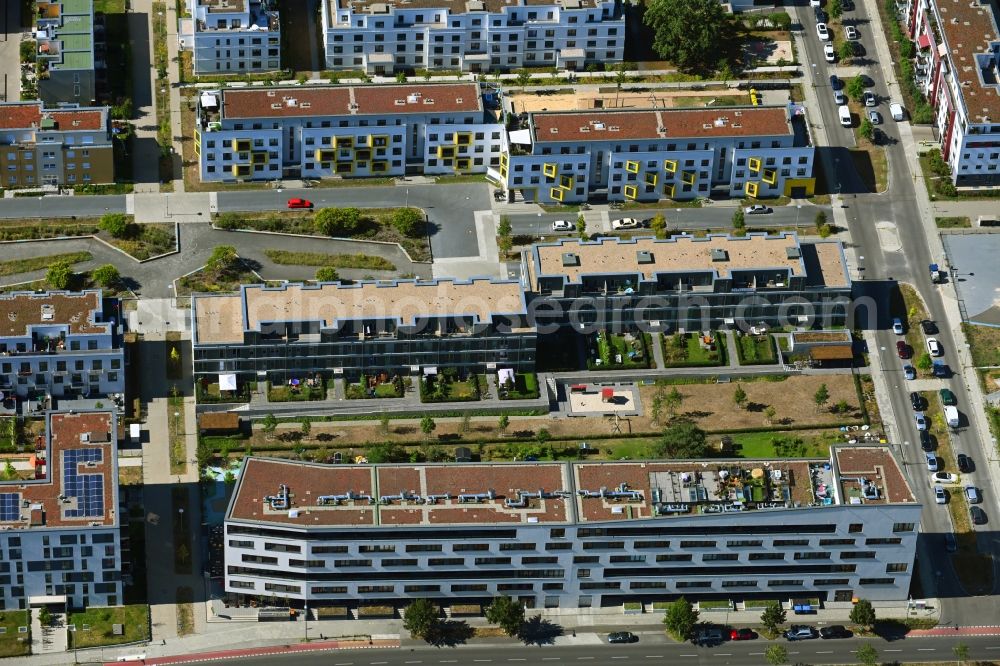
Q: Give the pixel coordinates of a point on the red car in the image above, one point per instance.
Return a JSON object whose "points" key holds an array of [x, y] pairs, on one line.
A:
{"points": [[300, 203], [742, 635], [903, 350]]}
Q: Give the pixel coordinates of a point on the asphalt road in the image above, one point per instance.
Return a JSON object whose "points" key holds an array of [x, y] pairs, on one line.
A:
{"points": [[54, 206], [749, 653]]}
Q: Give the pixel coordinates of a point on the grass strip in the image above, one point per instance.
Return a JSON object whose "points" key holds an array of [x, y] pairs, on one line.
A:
{"points": [[15, 266], [360, 261]]}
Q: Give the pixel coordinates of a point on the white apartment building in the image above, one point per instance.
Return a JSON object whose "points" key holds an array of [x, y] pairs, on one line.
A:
{"points": [[572, 535], [347, 131], [59, 535], [380, 37], [59, 344], [958, 70], [232, 36], [651, 154]]}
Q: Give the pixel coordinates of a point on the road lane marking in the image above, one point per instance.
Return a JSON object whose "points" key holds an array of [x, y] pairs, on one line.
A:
{"points": [[584, 658], [516, 659], [925, 649], [723, 654], [689, 655], [654, 656], [756, 654], [551, 658], [891, 650], [825, 652], [413, 662]]}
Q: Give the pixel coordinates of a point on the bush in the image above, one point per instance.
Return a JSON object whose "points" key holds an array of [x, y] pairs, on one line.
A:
{"points": [[116, 224], [106, 275], [229, 221], [408, 221], [338, 221], [327, 274], [60, 275]]}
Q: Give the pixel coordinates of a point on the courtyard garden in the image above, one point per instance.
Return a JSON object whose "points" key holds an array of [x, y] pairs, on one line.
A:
{"points": [[297, 389], [687, 350], [613, 351], [523, 387], [381, 386], [755, 349], [449, 386]]}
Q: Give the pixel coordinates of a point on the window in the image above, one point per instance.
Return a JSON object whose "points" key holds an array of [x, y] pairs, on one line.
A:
{"points": [[837, 542], [423, 548], [744, 543], [766, 556], [896, 567], [719, 557], [877, 581], [886, 541], [902, 527], [858, 555], [323, 550], [790, 542], [459, 547], [812, 556], [683, 584], [651, 544], [782, 583], [697, 544], [377, 548], [854, 528], [674, 557], [739, 583]]}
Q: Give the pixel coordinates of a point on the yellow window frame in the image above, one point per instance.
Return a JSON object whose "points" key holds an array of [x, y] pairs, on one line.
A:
{"points": [[652, 178], [670, 166], [631, 166], [566, 182], [751, 188], [550, 169], [754, 164], [770, 176], [631, 192], [556, 193]]}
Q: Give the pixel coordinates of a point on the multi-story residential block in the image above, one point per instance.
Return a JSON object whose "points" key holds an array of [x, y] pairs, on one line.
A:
{"points": [[573, 535], [647, 155], [64, 146], [392, 327], [350, 131], [64, 32], [59, 527], [59, 344], [688, 284], [380, 37], [958, 69], [232, 36]]}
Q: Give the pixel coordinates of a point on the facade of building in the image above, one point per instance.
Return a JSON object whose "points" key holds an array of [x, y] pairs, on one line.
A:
{"points": [[64, 146], [572, 535], [380, 37], [59, 529], [688, 284], [652, 154], [59, 344], [347, 131], [958, 69], [367, 328], [64, 33], [232, 36]]}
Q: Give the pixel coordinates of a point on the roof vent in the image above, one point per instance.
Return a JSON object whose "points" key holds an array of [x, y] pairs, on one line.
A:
{"points": [[584, 129], [718, 254], [554, 130], [706, 126], [400, 102], [570, 259], [48, 312], [598, 126], [270, 93], [644, 257], [413, 97], [353, 106], [614, 128], [428, 101], [793, 253], [306, 105], [276, 105], [738, 113], [458, 100]]}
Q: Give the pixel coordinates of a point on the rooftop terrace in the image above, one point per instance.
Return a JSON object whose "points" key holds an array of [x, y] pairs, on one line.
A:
{"points": [[29, 115], [970, 31], [20, 311], [77, 477], [452, 6], [70, 29], [308, 494]]}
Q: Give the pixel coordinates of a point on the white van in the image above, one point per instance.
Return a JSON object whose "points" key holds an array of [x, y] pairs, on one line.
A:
{"points": [[896, 111], [845, 115], [951, 416]]}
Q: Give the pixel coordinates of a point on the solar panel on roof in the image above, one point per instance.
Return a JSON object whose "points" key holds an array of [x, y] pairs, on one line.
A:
{"points": [[10, 507], [88, 489]]}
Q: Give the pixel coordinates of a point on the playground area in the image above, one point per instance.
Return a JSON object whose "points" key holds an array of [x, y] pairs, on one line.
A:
{"points": [[590, 400]]}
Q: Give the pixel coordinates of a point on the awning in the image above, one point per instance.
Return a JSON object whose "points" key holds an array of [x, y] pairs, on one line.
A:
{"points": [[227, 382], [380, 58], [924, 41], [505, 375], [522, 137]]}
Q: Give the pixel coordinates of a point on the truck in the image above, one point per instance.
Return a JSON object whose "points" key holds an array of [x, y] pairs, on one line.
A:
{"points": [[951, 416], [937, 275]]}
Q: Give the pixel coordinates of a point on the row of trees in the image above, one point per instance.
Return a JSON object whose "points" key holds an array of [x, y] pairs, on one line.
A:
{"points": [[422, 618], [350, 221]]}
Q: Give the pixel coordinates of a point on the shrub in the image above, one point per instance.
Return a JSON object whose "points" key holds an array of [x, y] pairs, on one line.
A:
{"points": [[338, 221], [59, 275], [408, 221], [106, 275], [116, 224], [327, 274]]}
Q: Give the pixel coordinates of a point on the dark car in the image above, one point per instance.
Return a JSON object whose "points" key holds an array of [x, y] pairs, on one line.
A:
{"points": [[978, 515], [947, 397], [742, 634], [835, 631], [835, 83], [903, 350], [928, 327], [708, 636], [964, 463], [926, 441], [916, 400], [941, 370], [800, 632], [950, 542], [623, 637]]}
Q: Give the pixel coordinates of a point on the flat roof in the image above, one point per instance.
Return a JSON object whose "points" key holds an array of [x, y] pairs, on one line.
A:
{"points": [[681, 253], [227, 6], [79, 482], [304, 494], [28, 115], [676, 123], [970, 29], [21, 310], [351, 100], [221, 319], [452, 6]]}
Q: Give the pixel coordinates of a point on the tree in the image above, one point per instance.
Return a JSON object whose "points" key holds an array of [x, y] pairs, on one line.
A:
{"points": [[420, 618], [866, 129], [268, 424], [116, 224], [621, 74], [821, 396], [770, 413], [868, 655], [505, 238], [820, 220], [773, 616], [776, 655], [681, 440], [542, 436], [739, 397], [338, 221], [385, 452], [503, 423], [507, 613], [522, 78], [383, 422], [836, 8], [427, 426], [680, 619], [692, 34], [123, 110], [846, 50], [305, 426], [465, 424], [45, 616], [739, 220], [856, 88], [673, 401], [961, 651], [106, 275], [60, 275], [863, 614], [924, 361], [401, 77], [409, 222], [222, 259], [658, 225], [581, 226], [657, 408], [327, 274]]}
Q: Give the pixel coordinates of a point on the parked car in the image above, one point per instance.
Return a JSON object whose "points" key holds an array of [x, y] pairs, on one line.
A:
{"points": [[897, 112], [909, 372], [300, 203], [800, 632], [708, 636], [850, 32], [932, 462], [835, 631], [758, 209], [973, 495], [944, 477], [563, 225], [916, 401], [940, 496], [823, 32], [897, 326], [870, 99], [820, 15], [622, 637], [947, 397], [934, 347], [839, 98], [874, 117], [742, 634], [928, 327], [978, 515], [829, 54], [926, 441], [964, 463], [835, 82], [625, 223], [920, 420], [903, 350], [950, 542], [940, 369]]}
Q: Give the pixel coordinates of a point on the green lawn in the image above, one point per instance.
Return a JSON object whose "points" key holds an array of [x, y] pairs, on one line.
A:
{"points": [[442, 388], [134, 621], [10, 646], [303, 393], [756, 349], [953, 222], [631, 349], [525, 387], [782, 444], [985, 344], [15, 266], [359, 261], [175, 432], [686, 350]]}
